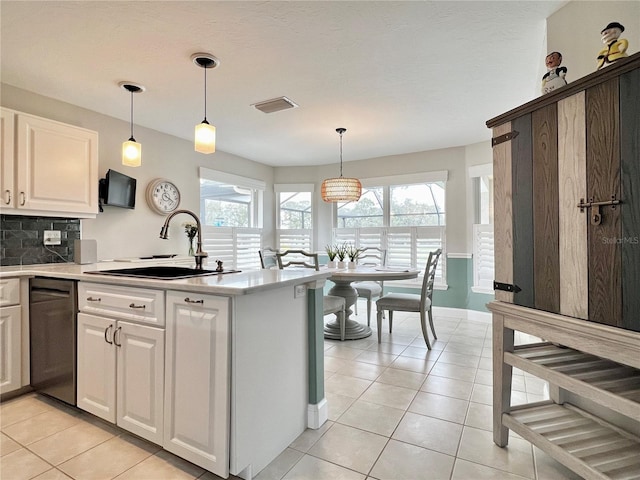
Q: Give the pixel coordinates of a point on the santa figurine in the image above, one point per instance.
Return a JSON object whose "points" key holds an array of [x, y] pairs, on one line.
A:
{"points": [[616, 47], [554, 78]]}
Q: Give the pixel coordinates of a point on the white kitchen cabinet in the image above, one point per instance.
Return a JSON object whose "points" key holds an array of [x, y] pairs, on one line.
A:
{"points": [[10, 335], [197, 380], [48, 167], [121, 363]]}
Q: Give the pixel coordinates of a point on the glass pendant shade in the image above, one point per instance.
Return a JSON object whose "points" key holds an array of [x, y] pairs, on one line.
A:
{"points": [[205, 133], [341, 189], [205, 137], [131, 153], [131, 150]]}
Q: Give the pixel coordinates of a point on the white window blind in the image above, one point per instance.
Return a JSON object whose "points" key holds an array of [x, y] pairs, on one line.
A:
{"points": [[406, 246], [237, 247], [298, 239], [483, 257]]}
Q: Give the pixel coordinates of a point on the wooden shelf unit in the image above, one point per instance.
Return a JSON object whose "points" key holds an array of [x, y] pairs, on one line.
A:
{"points": [[595, 361]]}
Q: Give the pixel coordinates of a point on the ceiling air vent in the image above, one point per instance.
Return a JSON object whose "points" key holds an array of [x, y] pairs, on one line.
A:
{"points": [[275, 105]]}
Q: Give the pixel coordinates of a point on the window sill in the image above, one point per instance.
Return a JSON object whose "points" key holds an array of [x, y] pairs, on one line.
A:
{"points": [[484, 290]]}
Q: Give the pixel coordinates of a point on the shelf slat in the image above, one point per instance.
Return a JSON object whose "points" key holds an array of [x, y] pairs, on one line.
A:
{"points": [[606, 382], [593, 449]]}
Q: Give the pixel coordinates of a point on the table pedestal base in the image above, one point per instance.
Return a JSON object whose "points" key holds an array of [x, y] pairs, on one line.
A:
{"points": [[353, 329]]}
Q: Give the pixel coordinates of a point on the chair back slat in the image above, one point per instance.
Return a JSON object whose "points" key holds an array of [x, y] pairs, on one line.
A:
{"points": [[430, 275], [373, 256], [298, 258], [268, 258]]}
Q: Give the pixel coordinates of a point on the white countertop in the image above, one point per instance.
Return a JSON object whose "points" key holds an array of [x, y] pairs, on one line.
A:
{"points": [[242, 283]]}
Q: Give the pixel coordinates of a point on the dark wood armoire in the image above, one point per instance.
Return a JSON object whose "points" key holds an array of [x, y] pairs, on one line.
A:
{"points": [[567, 269]]}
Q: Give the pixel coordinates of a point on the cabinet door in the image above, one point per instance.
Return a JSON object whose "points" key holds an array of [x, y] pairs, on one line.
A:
{"points": [[96, 366], [10, 348], [140, 380], [57, 166], [196, 423], [7, 157]]}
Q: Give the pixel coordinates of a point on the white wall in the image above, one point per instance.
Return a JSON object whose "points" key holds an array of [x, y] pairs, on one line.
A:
{"points": [[574, 31], [130, 233]]}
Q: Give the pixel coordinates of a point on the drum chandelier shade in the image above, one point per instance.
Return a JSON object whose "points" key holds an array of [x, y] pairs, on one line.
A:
{"points": [[205, 133], [341, 189], [131, 150]]}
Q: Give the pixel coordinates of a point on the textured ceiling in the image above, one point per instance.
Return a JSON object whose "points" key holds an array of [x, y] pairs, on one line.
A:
{"points": [[400, 76]]}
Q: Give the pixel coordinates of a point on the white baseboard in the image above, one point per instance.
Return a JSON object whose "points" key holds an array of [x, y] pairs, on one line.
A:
{"points": [[317, 414], [462, 313]]}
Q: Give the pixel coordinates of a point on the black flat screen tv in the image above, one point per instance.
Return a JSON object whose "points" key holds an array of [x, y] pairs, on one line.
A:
{"points": [[118, 190]]}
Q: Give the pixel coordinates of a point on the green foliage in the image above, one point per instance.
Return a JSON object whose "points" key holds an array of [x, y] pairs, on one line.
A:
{"points": [[332, 252], [353, 252]]}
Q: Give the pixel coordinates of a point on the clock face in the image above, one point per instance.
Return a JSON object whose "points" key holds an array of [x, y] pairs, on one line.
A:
{"points": [[163, 196]]}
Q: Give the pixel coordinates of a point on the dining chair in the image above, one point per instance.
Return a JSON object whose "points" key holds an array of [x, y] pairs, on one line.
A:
{"points": [[412, 302], [376, 257], [330, 303], [268, 258]]}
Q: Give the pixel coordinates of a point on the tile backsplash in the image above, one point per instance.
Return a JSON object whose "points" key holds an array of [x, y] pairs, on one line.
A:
{"points": [[22, 239]]}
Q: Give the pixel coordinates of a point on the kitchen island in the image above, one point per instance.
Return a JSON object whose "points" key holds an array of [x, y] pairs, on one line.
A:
{"points": [[237, 359]]}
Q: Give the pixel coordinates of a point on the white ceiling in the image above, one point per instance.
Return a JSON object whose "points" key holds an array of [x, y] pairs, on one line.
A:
{"points": [[401, 77]]}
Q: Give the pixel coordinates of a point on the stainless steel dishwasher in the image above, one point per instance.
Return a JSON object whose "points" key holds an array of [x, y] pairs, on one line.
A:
{"points": [[52, 327]]}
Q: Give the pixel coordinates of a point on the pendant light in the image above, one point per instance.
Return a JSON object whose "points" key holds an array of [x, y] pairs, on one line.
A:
{"points": [[341, 189], [205, 133], [131, 150]]}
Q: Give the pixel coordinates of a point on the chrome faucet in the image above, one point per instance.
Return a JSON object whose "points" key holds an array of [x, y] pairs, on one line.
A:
{"points": [[199, 255]]}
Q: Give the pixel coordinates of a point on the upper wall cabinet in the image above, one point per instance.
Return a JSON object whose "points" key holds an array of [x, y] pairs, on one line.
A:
{"points": [[567, 199], [48, 168]]}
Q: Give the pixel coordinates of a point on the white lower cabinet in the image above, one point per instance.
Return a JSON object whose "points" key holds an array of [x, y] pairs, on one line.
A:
{"points": [[10, 348], [10, 335], [197, 393], [121, 374]]}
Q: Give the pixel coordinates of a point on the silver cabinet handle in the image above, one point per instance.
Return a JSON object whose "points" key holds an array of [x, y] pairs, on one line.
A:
{"points": [[8, 197], [188, 300], [106, 330], [115, 334], [23, 199], [91, 299], [133, 305]]}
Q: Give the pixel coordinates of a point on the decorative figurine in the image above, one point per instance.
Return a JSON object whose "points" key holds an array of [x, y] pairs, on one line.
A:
{"points": [[554, 78], [616, 46], [219, 268]]}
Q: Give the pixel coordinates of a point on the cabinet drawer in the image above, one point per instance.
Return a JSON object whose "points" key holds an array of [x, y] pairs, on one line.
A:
{"points": [[138, 304], [9, 291]]}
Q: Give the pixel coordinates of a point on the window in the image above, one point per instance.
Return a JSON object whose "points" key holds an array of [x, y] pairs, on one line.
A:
{"points": [[294, 216], [403, 214], [231, 217], [483, 248]]}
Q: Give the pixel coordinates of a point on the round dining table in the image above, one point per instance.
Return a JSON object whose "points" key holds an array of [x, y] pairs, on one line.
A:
{"points": [[343, 278]]}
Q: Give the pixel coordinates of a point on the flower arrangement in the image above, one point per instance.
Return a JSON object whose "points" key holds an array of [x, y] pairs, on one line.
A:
{"points": [[191, 230]]}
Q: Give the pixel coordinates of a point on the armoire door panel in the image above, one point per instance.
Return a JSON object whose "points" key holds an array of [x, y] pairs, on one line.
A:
{"points": [[572, 186], [544, 122], [630, 195], [503, 226], [522, 173], [603, 181]]}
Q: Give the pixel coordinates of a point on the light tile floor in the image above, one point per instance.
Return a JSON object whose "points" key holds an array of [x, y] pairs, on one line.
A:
{"points": [[396, 411]]}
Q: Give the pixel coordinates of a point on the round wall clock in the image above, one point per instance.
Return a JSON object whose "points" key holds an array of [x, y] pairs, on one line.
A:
{"points": [[163, 196]]}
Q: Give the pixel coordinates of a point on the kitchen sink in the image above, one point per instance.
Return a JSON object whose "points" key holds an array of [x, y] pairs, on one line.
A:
{"points": [[161, 272]]}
